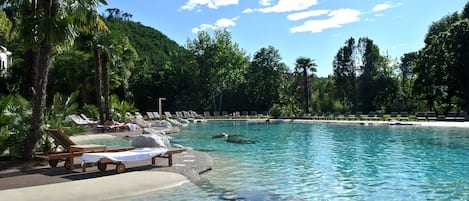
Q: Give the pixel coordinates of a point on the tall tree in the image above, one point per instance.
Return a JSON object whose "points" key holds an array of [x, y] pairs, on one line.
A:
{"points": [[264, 78], [431, 65], [305, 64], [406, 76], [363, 77], [369, 60], [345, 75], [47, 25], [222, 63]]}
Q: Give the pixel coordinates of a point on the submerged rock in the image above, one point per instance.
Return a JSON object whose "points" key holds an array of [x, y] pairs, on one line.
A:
{"points": [[221, 135], [250, 195], [237, 139]]}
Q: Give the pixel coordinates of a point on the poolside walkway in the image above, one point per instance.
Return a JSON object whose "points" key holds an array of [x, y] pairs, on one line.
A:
{"points": [[102, 188], [41, 182]]}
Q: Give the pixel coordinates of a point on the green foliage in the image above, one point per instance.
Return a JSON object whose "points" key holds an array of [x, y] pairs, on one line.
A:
{"points": [[61, 107], [264, 78], [14, 123], [5, 26], [221, 64], [441, 67], [91, 111], [363, 78], [303, 66], [345, 74], [120, 108], [163, 69], [275, 111], [72, 71]]}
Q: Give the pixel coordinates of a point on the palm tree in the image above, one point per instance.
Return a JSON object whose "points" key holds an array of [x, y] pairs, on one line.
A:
{"points": [[47, 26], [304, 64]]}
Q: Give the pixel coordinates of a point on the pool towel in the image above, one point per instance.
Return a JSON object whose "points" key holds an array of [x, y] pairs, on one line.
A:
{"points": [[131, 155]]}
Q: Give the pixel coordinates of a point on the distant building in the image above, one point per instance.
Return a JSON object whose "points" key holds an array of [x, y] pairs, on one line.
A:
{"points": [[5, 61]]}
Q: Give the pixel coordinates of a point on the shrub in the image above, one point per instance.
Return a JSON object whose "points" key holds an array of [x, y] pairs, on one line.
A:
{"points": [[14, 124]]}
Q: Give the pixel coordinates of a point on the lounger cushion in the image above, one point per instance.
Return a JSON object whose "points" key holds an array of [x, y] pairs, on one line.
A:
{"points": [[132, 155]]}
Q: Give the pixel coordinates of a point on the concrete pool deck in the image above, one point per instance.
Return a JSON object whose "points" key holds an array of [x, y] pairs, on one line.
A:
{"points": [[102, 188], [38, 181]]}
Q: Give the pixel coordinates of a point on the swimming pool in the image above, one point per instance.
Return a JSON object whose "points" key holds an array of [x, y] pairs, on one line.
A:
{"points": [[293, 161]]}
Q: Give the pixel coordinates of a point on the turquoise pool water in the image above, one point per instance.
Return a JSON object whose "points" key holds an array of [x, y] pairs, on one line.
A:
{"points": [[327, 162]]}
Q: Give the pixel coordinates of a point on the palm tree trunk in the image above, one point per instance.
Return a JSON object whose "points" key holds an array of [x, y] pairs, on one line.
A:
{"points": [[98, 83], [105, 77], [28, 77], [39, 98], [41, 72]]}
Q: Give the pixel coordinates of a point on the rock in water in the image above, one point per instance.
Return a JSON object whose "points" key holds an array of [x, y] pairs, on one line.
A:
{"points": [[251, 195], [150, 140], [238, 140], [221, 135]]}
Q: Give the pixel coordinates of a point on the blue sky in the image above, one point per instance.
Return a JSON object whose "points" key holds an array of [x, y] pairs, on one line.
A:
{"points": [[308, 28]]}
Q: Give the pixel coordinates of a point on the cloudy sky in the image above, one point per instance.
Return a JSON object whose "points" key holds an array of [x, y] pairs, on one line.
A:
{"points": [[308, 28]]}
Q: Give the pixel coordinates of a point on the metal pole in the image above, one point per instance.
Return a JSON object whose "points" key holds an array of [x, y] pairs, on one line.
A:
{"points": [[161, 107]]}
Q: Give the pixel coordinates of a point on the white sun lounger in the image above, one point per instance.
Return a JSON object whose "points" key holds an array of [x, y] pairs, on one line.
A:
{"points": [[104, 158]]}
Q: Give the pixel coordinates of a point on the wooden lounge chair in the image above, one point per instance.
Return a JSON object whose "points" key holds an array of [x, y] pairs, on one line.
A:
{"points": [[451, 116], [327, 115], [380, 115], [393, 116], [461, 116], [432, 116], [150, 115], [348, 116], [78, 120], [336, 115], [156, 115], [358, 115], [404, 116], [71, 150], [102, 159], [421, 116], [371, 116], [168, 115]]}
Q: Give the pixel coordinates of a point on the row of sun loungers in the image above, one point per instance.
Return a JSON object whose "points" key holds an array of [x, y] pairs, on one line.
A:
{"points": [[394, 116], [81, 120]]}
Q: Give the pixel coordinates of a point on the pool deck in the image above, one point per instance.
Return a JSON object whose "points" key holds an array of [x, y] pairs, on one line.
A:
{"points": [[38, 181]]}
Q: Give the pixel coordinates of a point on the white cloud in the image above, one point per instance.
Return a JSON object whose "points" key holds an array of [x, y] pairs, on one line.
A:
{"points": [[265, 2], [213, 4], [284, 6], [303, 15], [219, 24], [384, 6], [248, 10], [379, 15], [336, 20], [225, 22]]}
